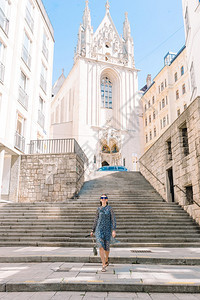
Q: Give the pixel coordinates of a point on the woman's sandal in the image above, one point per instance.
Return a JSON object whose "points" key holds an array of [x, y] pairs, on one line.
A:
{"points": [[103, 269], [107, 264]]}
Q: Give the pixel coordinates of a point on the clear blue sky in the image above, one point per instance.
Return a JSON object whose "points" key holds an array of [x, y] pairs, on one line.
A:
{"points": [[156, 27]]}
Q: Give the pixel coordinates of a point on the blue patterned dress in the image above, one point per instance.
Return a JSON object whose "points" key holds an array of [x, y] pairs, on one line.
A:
{"points": [[104, 224]]}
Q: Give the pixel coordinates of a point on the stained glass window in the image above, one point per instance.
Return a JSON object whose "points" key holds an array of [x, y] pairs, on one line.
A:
{"points": [[106, 93]]}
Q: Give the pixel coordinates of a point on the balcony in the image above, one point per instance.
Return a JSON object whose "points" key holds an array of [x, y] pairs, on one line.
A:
{"points": [[45, 51], [43, 83], [4, 22], [2, 71], [41, 119], [23, 98], [29, 19], [19, 142], [26, 57]]}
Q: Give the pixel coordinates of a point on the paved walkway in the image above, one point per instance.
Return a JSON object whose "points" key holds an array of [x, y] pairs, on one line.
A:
{"points": [[96, 296]]}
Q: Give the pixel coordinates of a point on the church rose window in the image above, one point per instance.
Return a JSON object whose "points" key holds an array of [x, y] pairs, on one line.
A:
{"points": [[106, 93]]}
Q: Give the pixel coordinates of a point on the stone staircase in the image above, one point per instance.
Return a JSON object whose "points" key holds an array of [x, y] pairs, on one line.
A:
{"points": [[143, 218]]}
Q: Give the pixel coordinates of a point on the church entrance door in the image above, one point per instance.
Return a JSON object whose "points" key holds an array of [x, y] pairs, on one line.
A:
{"points": [[104, 163]]}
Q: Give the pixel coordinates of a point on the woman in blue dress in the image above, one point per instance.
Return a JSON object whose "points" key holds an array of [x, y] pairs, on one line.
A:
{"points": [[105, 229]]}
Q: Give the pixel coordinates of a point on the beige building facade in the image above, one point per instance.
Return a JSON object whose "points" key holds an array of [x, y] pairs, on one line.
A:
{"points": [[172, 164], [166, 97], [26, 64], [98, 103]]}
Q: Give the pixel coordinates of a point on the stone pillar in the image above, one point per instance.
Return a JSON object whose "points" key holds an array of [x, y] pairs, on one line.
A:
{"points": [[2, 154], [14, 178]]}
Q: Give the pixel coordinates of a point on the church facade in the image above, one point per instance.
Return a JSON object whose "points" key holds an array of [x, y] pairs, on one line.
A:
{"points": [[98, 103]]}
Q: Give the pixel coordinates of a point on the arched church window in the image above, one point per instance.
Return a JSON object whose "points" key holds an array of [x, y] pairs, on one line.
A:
{"points": [[114, 149], [106, 93], [105, 149]]}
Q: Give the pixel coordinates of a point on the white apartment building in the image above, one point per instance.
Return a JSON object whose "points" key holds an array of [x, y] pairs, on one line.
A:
{"points": [[191, 15], [26, 63], [98, 102], [166, 97]]}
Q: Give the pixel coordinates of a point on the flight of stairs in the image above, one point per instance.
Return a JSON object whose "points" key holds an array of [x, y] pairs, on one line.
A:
{"points": [[143, 218]]}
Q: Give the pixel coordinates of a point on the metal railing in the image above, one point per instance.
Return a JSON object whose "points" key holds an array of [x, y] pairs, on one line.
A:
{"points": [[191, 201], [152, 173], [26, 57], [23, 98], [57, 146], [43, 83], [45, 51], [41, 119], [19, 142], [4, 22], [29, 19], [2, 72]]}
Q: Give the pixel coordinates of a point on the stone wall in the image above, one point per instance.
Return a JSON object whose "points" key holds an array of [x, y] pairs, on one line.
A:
{"points": [[185, 168], [50, 177]]}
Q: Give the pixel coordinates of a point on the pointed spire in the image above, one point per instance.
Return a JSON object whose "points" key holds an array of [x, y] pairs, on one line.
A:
{"points": [[107, 6], [127, 27], [86, 16]]}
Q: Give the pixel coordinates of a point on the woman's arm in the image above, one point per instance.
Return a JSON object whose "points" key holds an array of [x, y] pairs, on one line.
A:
{"points": [[113, 219], [95, 220]]}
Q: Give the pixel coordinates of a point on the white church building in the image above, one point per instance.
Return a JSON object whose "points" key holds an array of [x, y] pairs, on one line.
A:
{"points": [[98, 104]]}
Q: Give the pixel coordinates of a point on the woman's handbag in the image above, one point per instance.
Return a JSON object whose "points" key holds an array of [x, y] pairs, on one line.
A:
{"points": [[94, 248]]}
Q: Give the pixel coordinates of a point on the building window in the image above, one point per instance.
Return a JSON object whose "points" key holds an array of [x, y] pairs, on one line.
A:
{"points": [[106, 93], [45, 50], [95, 159], [185, 144], [165, 82], [149, 104], [146, 138], [19, 135], [145, 107], [23, 86], [169, 149], [26, 49], [160, 105], [187, 25], [162, 86], [177, 94], [153, 100], [185, 106], [154, 131], [43, 78], [183, 89], [150, 119], [29, 14], [167, 119], [4, 11], [189, 194], [150, 136], [161, 124], [146, 122], [182, 70], [164, 121], [175, 77], [154, 115], [193, 81], [163, 103], [166, 100], [2, 58], [178, 112]]}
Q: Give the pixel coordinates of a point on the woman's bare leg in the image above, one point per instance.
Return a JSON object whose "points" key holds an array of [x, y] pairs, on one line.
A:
{"points": [[107, 255], [102, 255]]}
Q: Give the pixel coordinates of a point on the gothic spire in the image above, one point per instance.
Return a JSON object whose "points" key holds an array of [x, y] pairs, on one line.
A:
{"points": [[127, 27], [107, 6], [86, 16]]}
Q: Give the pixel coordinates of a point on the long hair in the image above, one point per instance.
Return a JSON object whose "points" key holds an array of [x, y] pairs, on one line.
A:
{"points": [[100, 199]]}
